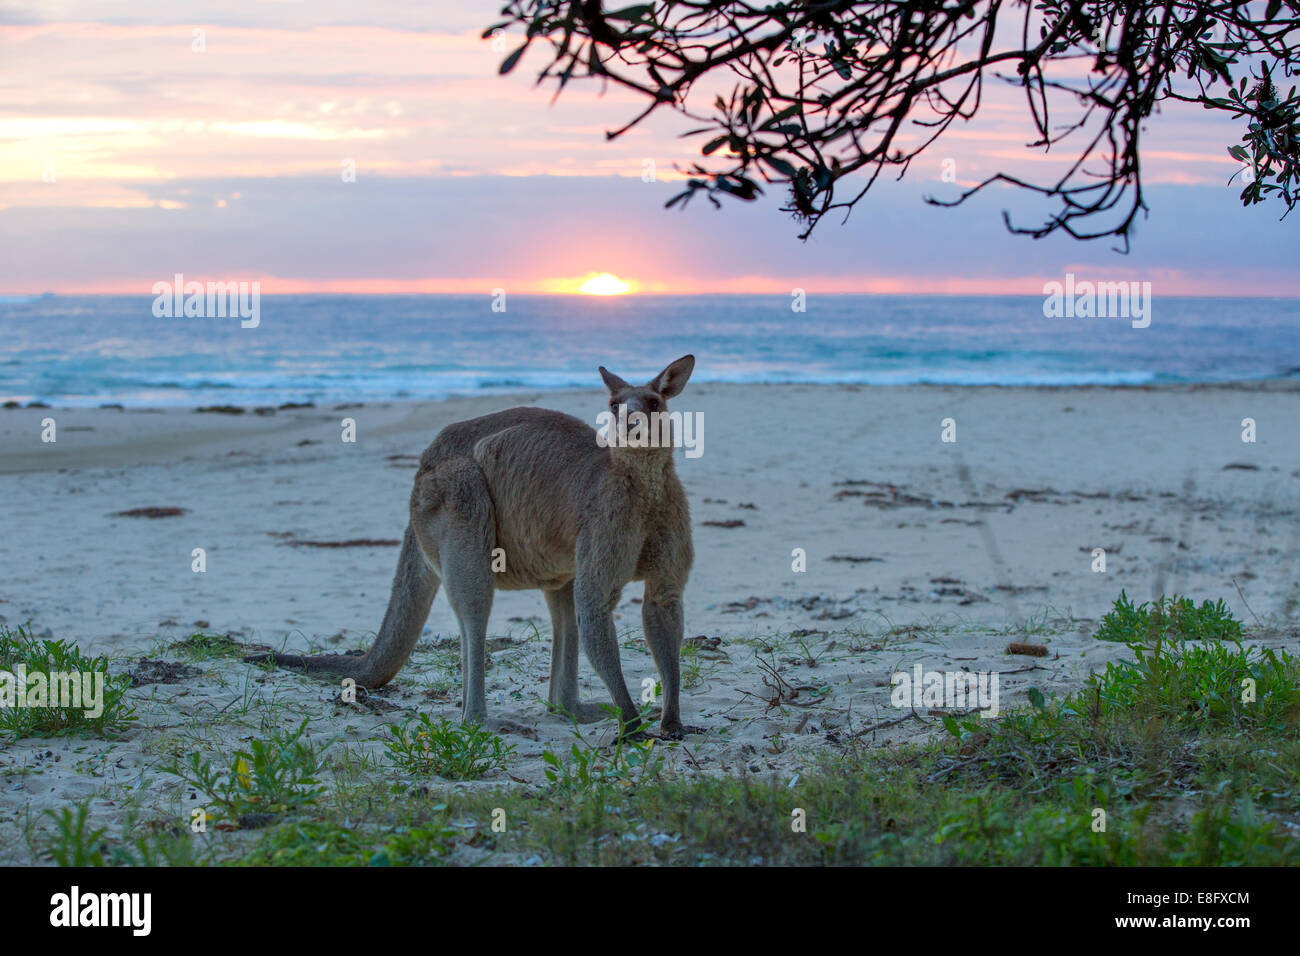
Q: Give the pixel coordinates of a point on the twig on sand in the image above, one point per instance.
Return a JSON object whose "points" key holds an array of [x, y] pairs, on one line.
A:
{"points": [[1245, 602], [695, 763], [951, 767], [888, 723], [933, 712], [1031, 667]]}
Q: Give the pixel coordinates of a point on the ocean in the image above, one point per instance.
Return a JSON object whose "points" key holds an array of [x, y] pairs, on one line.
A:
{"points": [[91, 350]]}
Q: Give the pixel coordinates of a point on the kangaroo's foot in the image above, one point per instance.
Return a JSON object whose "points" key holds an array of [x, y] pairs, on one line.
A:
{"points": [[678, 730], [585, 712], [504, 726]]}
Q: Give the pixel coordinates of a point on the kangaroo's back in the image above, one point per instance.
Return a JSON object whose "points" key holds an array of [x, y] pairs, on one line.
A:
{"points": [[459, 438], [542, 470]]}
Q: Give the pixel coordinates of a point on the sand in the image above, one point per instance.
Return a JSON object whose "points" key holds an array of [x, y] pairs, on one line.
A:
{"points": [[918, 551]]}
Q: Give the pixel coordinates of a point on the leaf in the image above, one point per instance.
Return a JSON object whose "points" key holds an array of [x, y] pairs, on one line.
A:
{"points": [[629, 13], [712, 145], [780, 165], [1036, 699], [785, 114], [509, 63]]}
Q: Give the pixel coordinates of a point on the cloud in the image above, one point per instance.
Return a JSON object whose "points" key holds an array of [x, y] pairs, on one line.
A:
{"points": [[435, 233], [125, 155]]}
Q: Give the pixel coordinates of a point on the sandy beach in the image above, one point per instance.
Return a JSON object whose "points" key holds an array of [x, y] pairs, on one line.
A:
{"points": [[918, 551]]}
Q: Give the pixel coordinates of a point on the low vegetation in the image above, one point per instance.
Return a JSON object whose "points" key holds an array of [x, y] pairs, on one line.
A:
{"points": [[1186, 752], [274, 776], [36, 672], [424, 747]]}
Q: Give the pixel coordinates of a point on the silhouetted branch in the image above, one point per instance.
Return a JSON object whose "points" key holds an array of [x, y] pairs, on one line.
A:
{"points": [[831, 92]]}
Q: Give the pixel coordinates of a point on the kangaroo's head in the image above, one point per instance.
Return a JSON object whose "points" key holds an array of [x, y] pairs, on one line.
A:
{"points": [[653, 396]]}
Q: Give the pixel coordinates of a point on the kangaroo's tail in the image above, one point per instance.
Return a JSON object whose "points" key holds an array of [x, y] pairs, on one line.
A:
{"points": [[414, 587]]}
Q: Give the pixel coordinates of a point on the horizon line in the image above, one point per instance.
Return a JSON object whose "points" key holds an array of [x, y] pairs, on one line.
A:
{"points": [[335, 293]]}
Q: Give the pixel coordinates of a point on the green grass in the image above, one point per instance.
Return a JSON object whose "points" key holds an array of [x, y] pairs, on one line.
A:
{"points": [[74, 842], [315, 843], [587, 768], [423, 747], [206, 647], [1186, 752], [1164, 759], [1170, 618], [271, 777], [47, 657]]}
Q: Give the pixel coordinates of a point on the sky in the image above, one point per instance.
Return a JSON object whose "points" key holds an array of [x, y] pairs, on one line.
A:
{"points": [[127, 155]]}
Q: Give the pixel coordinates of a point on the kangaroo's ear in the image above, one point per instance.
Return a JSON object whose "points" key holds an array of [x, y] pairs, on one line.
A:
{"points": [[612, 381], [672, 380]]}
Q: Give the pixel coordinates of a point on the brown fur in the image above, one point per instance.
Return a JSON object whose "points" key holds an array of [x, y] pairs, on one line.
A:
{"points": [[575, 519]]}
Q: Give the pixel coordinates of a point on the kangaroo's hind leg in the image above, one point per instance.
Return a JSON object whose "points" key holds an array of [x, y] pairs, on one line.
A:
{"points": [[562, 693], [455, 514]]}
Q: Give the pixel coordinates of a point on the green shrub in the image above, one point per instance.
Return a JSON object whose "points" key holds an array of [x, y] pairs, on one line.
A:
{"points": [[19, 651], [423, 748], [1170, 618], [271, 776]]}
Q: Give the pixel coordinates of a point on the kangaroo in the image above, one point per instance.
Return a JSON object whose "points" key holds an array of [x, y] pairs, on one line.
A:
{"points": [[573, 518]]}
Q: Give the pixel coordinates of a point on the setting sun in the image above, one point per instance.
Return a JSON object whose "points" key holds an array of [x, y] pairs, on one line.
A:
{"points": [[604, 284]]}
